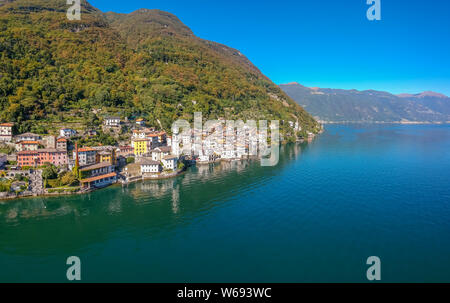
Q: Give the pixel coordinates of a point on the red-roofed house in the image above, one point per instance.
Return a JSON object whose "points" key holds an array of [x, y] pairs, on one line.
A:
{"points": [[98, 175], [61, 144], [27, 145], [86, 156]]}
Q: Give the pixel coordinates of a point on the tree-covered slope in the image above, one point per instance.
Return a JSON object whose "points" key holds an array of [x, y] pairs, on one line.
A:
{"points": [[338, 105], [147, 63]]}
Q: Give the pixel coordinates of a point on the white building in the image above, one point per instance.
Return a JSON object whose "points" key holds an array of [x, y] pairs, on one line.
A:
{"points": [[112, 121], [150, 166], [6, 132], [140, 122], [170, 162], [228, 153], [98, 175], [67, 132], [160, 152], [28, 137]]}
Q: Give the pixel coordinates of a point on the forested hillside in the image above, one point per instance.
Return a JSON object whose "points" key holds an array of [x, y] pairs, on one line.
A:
{"points": [[147, 64]]}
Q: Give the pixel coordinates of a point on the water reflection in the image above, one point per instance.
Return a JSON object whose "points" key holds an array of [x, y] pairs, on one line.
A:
{"points": [[153, 205]]}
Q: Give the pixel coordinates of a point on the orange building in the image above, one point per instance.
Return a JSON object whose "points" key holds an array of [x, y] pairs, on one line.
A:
{"points": [[41, 156]]}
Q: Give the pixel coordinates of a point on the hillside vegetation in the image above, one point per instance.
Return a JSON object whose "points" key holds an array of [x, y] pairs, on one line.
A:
{"points": [[147, 63]]}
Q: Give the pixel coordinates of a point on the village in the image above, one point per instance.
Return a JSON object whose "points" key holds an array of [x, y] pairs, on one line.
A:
{"points": [[50, 165]]}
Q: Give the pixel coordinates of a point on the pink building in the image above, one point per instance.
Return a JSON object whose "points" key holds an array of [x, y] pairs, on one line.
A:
{"points": [[42, 156]]}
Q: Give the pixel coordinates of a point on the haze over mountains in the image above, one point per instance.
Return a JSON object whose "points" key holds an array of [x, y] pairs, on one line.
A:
{"points": [[146, 64], [339, 105]]}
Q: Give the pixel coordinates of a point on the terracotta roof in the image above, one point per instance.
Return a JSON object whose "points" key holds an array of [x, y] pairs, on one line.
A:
{"points": [[170, 157], [85, 149], [62, 139], [7, 124], [28, 142], [98, 178]]}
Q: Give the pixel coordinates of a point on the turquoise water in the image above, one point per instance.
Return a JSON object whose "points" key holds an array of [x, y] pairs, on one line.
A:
{"points": [[355, 192]]}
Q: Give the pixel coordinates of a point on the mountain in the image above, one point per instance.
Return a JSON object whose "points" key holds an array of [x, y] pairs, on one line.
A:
{"points": [[146, 63], [339, 105]]}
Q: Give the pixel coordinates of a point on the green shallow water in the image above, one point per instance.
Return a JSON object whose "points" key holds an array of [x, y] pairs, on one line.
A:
{"points": [[355, 192]]}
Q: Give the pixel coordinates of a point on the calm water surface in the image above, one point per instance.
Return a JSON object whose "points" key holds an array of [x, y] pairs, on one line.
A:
{"points": [[355, 192]]}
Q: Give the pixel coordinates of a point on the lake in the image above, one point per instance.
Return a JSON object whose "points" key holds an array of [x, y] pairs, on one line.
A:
{"points": [[356, 191]]}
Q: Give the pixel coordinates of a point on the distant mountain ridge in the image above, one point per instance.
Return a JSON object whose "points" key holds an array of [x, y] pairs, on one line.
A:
{"points": [[340, 105]]}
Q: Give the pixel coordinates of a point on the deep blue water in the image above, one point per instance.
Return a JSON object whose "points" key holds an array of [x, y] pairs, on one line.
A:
{"points": [[356, 191]]}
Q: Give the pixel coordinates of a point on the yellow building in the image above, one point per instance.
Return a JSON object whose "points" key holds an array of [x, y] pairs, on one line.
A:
{"points": [[105, 156], [140, 146]]}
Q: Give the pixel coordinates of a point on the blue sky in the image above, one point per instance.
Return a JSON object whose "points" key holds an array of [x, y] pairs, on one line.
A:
{"points": [[326, 43]]}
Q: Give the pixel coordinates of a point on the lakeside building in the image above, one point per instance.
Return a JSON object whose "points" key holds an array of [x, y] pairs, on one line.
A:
{"points": [[141, 146], [41, 156], [160, 152], [6, 132], [112, 121], [86, 156], [61, 143], [149, 166], [27, 145], [28, 137], [98, 175], [170, 162]]}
